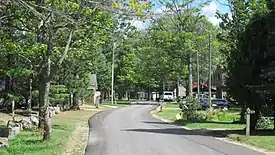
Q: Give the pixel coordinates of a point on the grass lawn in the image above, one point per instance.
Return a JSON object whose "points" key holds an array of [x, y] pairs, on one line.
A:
{"points": [[261, 141], [119, 103], [171, 105], [223, 124], [209, 125], [170, 114], [107, 105], [63, 124]]}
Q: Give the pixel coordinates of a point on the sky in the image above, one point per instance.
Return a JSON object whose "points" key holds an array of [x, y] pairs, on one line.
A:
{"points": [[209, 11]]}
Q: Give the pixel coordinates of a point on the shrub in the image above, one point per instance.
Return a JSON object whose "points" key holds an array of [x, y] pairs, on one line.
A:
{"points": [[263, 123], [191, 112], [193, 103], [222, 116]]}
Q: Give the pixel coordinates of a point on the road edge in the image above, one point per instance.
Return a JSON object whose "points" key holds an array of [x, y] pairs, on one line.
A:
{"points": [[228, 140]]}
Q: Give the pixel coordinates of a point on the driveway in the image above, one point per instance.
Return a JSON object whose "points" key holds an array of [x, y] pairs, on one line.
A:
{"points": [[133, 131]]}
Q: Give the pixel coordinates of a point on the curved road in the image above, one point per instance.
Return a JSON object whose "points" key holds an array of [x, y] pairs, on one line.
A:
{"points": [[133, 131]]}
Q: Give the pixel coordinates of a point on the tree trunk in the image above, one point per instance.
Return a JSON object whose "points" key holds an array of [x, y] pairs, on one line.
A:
{"points": [[12, 109], [242, 119], [163, 86], [149, 93], [128, 96], [273, 114], [75, 101], [178, 88], [219, 91], [44, 119], [254, 119], [102, 95], [8, 89], [45, 89], [47, 121]]}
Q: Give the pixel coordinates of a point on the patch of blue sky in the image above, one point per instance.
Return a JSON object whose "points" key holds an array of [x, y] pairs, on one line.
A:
{"points": [[208, 10]]}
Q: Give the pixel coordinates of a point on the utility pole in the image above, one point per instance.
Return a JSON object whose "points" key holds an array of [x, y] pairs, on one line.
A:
{"points": [[113, 70], [209, 83], [198, 76], [190, 76]]}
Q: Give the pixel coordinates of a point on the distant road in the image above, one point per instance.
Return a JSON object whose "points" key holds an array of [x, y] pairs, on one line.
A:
{"points": [[133, 131]]}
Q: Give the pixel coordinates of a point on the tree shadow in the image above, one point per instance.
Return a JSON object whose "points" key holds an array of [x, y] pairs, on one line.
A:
{"points": [[185, 122], [202, 132], [31, 141], [219, 133], [174, 131], [59, 127], [154, 122]]}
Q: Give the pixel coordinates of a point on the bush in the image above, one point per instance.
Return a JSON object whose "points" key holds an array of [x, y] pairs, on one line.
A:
{"points": [[263, 123], [191, 112], [193, 103], [222, 116]]}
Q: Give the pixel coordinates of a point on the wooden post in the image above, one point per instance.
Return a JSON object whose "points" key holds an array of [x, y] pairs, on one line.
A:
{"points": [[12, 109], [161, 105], [248, 113], [247, 122]]}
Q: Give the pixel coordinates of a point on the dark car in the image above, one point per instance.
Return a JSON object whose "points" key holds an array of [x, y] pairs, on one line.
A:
{"points": [[220, 103], [216, 103]]}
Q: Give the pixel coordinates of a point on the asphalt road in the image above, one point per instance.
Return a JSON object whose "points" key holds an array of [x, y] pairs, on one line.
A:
{"points": [[133, 131]]}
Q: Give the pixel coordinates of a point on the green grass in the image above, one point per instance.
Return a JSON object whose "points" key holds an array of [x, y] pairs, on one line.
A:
{"points": [[222, 123], [170, 114], [2, 125], [213, 125], [171, 105], [119, 103], [265, 142], [29, 143]]}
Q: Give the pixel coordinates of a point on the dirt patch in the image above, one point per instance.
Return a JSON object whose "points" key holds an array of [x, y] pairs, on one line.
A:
{"points": [[78, 140], [4, 118]]}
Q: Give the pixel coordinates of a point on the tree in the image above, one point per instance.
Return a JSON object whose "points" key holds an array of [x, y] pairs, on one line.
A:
{"points": [[168, 50], [184, 18], [242, 71], [49, 29]]}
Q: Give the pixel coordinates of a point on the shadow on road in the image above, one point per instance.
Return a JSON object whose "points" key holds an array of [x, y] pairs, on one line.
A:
{"points": [[202, 132], [175, 131], [154, 122]]}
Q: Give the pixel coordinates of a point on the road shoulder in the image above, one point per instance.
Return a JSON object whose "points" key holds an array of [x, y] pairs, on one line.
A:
{"points": [[228, 140]]}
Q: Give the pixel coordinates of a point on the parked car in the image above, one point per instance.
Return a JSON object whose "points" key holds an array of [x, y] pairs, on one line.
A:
{"points": [[168, 96], [216, 103], [220, 103]]}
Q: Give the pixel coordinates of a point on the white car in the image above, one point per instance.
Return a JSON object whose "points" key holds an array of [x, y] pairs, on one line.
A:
{"points": [[168, 96]]}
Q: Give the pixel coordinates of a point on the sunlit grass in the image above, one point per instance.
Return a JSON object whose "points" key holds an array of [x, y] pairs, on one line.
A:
{"points": [[29, 142]]}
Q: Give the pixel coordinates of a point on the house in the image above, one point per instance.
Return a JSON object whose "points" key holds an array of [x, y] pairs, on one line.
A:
{"points": [[182, 91], [93, 87]]}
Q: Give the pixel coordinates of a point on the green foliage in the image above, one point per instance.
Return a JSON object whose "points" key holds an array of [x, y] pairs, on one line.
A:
{"points": [[224, 116], [13, 97], [264, 123], [59, 95], [191, 112], [193, 103], [245, 36]]}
